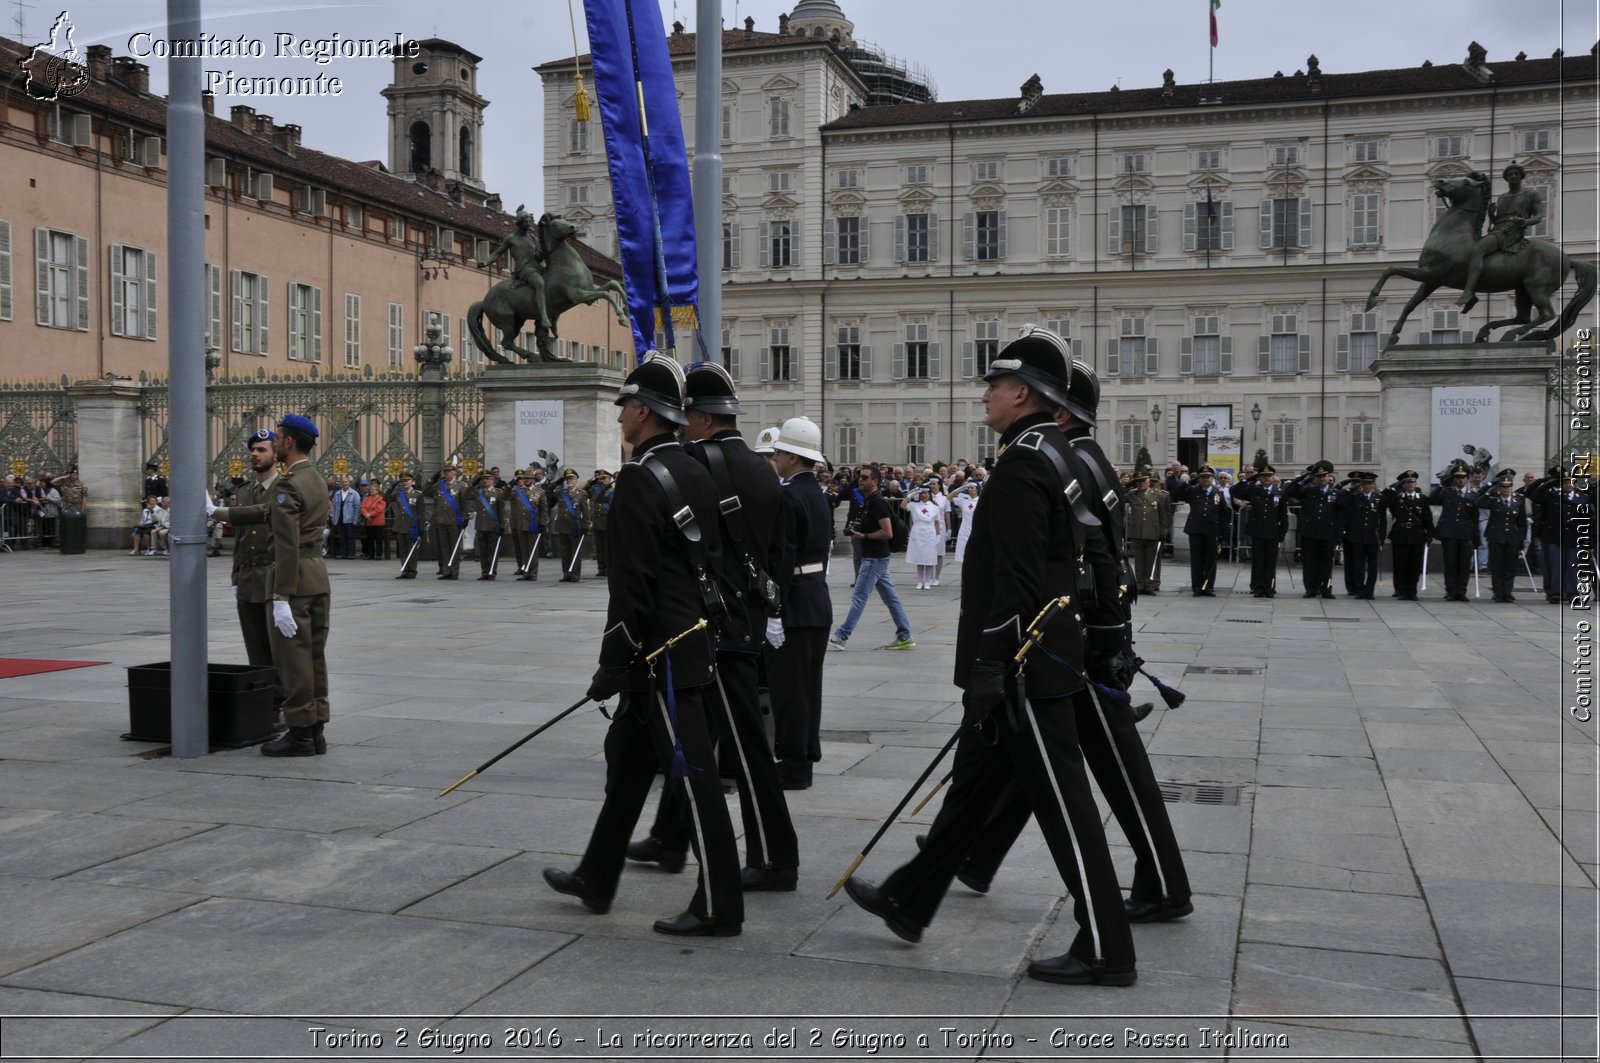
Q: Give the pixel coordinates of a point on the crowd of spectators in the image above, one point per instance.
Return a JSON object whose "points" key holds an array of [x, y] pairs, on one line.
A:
{"points": [[31, 505]]}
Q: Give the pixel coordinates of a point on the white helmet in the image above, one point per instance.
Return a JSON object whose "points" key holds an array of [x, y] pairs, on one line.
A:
{"points": [[801, 437], [765, 440]]}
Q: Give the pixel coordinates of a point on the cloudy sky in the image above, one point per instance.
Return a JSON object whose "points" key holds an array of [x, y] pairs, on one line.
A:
{"points": [[1073, 45]]}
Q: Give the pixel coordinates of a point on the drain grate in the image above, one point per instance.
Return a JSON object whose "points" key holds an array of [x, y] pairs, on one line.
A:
{"points": [[1334, 619], [846, 736], [423, 601], [1236, 620], [1198, 793], [147, 634], [1222, 669]]}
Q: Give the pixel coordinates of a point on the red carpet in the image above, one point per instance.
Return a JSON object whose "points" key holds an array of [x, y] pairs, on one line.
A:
{"points": [[10, 667]]}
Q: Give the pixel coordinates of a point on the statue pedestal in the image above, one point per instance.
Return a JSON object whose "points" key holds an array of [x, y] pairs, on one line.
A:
{"points": [[1418, 433], [110, 458], [564, 409]]}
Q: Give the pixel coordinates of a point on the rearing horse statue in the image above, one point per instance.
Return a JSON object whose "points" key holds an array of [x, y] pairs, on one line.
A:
{"points": [[567, 283], [1535, 271]]}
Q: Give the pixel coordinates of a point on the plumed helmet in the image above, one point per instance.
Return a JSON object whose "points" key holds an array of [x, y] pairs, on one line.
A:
{"points": [[1039, 360], [800, 436], [1083, 392], [657, 382], [709, 388]]}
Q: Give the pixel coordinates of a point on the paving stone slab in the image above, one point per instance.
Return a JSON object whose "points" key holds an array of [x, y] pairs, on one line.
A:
{"points": [[1519, 1018], [1258, 1039], [62, 916], [294, 804], [1477, 831], [93, 787], [1439, 765], [1328, 859], [1515, 931], [263, 957], [1340, 773], [334, 871], [1277, 980], [79, 1025], [1322, 742], [45, 844], [1330, 919]]}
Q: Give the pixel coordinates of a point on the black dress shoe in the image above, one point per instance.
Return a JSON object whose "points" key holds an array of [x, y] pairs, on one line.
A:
{"points": [[1069, 970], [295, 742], [651, 851], [1309, 594], [769, 879], [569, 883], [871, 898], [1327, 594], [485, 576], [1143, 709], [689, 925], [407, 575], [319, 744], [1163, 911]]}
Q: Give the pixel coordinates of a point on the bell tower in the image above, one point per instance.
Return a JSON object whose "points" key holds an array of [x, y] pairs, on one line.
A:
{"points": [[436, 114]]}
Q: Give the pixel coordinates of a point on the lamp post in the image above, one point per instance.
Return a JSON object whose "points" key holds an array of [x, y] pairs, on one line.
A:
{"points": [[1155, 421], [434, 356], [1255, 418]]}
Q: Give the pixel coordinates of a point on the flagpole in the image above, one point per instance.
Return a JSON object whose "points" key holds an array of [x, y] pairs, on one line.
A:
{"points": [[1211, 53], [707, 183]]}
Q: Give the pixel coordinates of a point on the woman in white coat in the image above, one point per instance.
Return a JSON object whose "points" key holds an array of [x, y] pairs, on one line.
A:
{"points": [[965, 501], [925, 539]]}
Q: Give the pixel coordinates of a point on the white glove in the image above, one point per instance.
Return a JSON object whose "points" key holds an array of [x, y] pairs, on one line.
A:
{"points": [[283, 620], [235, 589], [211, 506], [775, 633]]}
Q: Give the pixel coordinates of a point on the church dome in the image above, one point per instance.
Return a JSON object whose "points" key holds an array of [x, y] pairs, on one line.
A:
{"points": [[820, 18]]}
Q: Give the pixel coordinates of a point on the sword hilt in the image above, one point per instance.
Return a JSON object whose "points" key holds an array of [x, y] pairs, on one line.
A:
{"points": [[1036, 626]]}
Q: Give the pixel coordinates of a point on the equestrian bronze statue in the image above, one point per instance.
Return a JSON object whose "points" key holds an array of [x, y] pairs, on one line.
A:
{"points": [[1458, 254], [548, 278]]}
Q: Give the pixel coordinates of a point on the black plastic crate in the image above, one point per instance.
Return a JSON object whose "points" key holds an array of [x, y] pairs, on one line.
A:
{"points": [[239, 702]]}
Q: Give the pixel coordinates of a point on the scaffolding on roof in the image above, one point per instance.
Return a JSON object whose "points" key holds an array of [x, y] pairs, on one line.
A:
{"points": [[889, 79]]}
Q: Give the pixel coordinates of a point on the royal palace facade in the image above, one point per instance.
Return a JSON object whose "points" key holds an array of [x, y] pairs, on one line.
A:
{"points": [[1205, 245]]}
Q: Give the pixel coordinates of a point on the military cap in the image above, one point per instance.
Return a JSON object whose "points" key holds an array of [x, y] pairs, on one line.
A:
{"points": [[1505, 476], [1321, 465], [657, 382], [520, 474], [299, 423], [800, 436], [1040, 362], [407, 476], [709, 389], [568, 472], [262, 435], [1142, 473], [601, 472], [449, 466], [1267, 470], [1205, 470], [1410, 474], [765, 441], [1365, 477], [151, 465], [1459, 470]]}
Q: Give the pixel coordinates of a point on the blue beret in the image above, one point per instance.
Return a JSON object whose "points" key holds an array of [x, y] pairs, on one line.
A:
{"points": [[263, 435], [299, 424]]}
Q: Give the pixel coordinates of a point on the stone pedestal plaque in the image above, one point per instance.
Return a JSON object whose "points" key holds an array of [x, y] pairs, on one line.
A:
{"points": [[578, 396], [110, 458], [1517, 375]]}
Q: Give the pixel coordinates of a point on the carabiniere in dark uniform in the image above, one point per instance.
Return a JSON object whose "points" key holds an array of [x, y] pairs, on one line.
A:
{"points": [[1410, 528], [1507, 532], [1318, 531], [1362, 521], [1266, 521], [667, 551]]}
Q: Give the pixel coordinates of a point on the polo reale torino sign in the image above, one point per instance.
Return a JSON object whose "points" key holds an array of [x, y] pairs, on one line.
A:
{"points": [[1466, 425]]}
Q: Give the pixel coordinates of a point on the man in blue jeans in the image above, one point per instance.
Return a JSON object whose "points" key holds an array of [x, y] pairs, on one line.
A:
{"points": [[874, 530]]}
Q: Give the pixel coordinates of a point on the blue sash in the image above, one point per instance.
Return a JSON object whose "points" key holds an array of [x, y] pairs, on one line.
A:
{"points": [[527, 504], [566, 498], [605, 507], [450, 500], [405, 507], [486, 508]]}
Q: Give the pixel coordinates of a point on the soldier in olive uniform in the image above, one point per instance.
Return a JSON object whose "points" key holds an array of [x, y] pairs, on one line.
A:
{"points": [[569, 519], [600, 491], [1410, 528], [406, 524], [252, 553], [1362, 519], [297, 511], [525, 518], [1266, 521], [1149, 522], [1319, 527], [447, 519], [1205, 526], [73, 493], [1507, 532], [1457, 529], [486, 506]]}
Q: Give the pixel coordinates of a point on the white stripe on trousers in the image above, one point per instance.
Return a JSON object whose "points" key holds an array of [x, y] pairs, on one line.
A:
{"points": [[744, 766], [1128, 785], [694, 811], [1072, 835]]}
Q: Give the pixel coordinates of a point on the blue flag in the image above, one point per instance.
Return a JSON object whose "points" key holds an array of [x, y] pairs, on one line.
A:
{"points": [[648, 164]]}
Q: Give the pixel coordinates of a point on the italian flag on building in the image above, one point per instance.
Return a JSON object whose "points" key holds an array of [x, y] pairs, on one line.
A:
{"points": [[1215, 4]]}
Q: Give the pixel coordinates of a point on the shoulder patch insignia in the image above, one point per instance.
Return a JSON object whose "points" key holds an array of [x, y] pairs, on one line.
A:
{"points": [[282, 498]]}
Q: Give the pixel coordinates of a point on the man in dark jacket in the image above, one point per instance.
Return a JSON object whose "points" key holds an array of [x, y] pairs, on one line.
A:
{"points": [[662, 584], [1362, 521], [1456, 529], [802, 573], [1507, 531], [1410, 528], [1559, 509], [1205, 527], [1318, 528], [1024, 551], [1266, 521]]}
